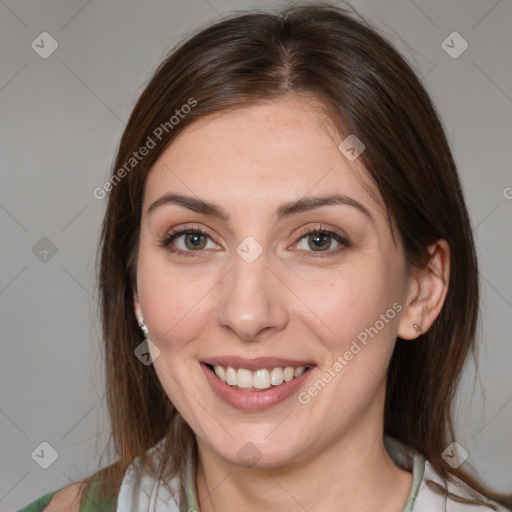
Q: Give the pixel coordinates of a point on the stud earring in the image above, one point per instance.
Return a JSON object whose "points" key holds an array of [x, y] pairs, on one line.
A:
{"points": [[417, 327], [142, 326]]}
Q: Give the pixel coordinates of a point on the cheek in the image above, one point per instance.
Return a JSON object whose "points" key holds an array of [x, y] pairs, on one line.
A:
{"points": [[349, 303], [173, 304]]}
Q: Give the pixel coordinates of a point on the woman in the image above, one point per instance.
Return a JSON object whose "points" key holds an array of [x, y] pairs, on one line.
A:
{"points": [[288, 281]]}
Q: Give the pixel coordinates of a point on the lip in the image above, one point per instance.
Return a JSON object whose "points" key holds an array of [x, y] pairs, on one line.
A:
{"points": [[255, 400]]}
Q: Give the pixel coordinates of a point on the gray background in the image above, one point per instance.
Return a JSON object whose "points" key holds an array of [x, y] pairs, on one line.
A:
{"points": [[61, 120]]}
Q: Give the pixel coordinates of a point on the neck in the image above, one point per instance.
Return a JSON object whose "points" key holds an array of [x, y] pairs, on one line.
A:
{"points": [[354, 472]]}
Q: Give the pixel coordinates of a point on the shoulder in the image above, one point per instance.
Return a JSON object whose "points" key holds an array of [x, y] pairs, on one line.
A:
{"points": [[65, 500], [70, 498]]}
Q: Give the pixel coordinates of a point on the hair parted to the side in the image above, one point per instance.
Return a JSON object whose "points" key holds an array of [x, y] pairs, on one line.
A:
{"points": [[368, 89]]}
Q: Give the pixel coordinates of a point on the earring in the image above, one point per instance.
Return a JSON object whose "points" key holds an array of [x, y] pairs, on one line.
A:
{"points": [[417, 327], [142, 326]]}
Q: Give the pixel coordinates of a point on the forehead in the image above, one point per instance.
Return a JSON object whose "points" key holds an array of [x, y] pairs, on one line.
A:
{"points": [[261, 155]]}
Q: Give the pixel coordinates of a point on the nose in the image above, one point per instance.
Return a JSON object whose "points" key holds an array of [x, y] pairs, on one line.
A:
{"points": [[252, 300]]}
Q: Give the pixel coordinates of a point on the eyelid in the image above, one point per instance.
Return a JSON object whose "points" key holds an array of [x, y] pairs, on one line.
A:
{"points": [[331, 233], [312, 229], [190, 227], [180, 231]]}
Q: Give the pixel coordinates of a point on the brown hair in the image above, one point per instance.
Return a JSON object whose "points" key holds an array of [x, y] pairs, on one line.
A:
{"points": [[368, 89]]}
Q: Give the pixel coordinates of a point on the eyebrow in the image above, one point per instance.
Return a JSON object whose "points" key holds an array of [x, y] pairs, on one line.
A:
{"points": [[285, 210]]}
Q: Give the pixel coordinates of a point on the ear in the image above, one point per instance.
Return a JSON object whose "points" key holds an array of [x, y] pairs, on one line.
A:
{"points": [[427, 291]]}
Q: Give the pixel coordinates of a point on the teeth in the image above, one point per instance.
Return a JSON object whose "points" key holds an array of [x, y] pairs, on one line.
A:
{"points": [[260, 379], [299, 371], [231, 376], [276, 377], [220, 373], [288, 374], [244, 378]]}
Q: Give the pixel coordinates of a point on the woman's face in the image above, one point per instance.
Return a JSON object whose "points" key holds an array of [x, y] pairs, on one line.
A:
{"points": [[258, 294]]}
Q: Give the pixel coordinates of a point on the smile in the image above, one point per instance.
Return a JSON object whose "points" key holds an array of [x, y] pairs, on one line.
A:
{"points": [[255, 384]]}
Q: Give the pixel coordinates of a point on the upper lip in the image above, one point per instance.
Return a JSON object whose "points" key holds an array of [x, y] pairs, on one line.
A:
{"points": [[256, 363]]}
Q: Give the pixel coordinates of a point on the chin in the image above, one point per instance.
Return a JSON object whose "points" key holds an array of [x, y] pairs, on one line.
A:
{"points": [[246, 452]]}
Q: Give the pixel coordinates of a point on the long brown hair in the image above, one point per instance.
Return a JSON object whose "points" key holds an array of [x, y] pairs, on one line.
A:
{"points": [[367, 89]]}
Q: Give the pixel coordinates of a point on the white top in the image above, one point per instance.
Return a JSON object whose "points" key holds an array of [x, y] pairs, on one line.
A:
{"points": [[143, 494]]}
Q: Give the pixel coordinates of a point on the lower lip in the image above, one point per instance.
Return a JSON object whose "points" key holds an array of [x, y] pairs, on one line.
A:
{"points": [[253, 400]]}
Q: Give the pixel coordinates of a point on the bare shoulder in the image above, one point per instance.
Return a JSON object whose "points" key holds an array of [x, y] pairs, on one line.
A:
{"points": [[66, 500]]}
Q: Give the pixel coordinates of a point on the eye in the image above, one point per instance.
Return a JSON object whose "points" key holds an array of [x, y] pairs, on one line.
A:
{"points": [[190, 241], [187, 241], [319, 240]]}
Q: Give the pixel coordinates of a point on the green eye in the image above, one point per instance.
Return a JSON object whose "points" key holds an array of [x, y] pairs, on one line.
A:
{"points": [[194, 240], [320, 240]]}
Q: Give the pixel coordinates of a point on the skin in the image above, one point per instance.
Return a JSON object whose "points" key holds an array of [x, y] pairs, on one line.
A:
{"points": [[328, 454]]}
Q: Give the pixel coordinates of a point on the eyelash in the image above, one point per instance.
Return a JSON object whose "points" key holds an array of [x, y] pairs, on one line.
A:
{"points": [[166, 241], [321, 230]]}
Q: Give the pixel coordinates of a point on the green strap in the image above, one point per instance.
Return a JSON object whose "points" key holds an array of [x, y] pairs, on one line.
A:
{"points": [[417, 477], [92, 502], [39, 504]]}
